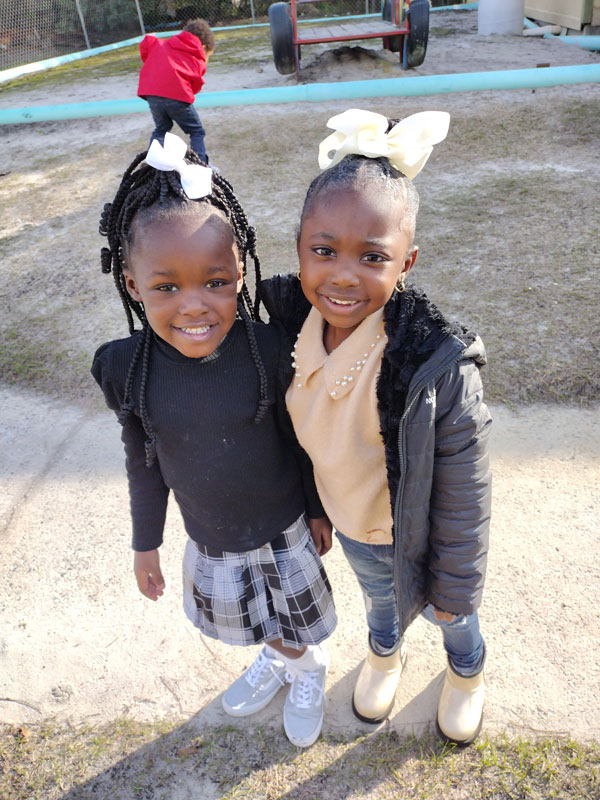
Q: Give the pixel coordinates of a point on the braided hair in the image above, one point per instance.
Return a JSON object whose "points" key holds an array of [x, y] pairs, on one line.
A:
{"points": [[358, 171], [148, 194]]}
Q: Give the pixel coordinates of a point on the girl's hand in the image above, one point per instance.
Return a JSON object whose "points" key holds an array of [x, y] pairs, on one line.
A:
{"points": [[443, 616], [149, 578], [320, 530]]}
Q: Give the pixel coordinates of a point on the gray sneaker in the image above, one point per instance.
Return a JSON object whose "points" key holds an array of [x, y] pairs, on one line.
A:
{"points": [[256, 687], [303, 709]]}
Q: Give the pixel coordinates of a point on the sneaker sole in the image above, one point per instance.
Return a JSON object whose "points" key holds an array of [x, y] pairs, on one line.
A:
{"points": [[308, 740], [246, 712]]}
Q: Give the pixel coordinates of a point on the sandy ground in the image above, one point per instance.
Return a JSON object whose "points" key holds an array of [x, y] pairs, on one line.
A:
{"points": [[78, 642], [454, 46]]}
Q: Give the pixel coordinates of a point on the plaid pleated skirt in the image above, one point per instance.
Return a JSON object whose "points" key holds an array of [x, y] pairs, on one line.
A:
{"points": [[279, 590]]}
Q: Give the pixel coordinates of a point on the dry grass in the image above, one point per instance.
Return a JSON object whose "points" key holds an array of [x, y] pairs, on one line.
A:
{"points": [[506, 228], [126, 61], [125, 759]]}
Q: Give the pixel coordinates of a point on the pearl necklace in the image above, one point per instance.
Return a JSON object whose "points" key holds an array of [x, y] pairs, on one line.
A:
{"points": [[345, 379]]}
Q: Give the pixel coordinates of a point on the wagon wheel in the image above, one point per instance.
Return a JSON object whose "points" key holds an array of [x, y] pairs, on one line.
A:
{"points": [[416, 40], [282, 38]]}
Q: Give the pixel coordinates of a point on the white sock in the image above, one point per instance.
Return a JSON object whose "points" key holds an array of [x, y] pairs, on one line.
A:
{"points": [[313, 658], [270, 652]]}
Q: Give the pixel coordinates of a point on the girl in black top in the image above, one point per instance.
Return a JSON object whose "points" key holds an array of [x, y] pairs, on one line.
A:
{"points": [[198, 395]]}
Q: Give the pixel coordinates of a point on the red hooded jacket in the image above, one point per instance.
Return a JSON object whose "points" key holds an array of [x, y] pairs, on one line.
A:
{"points": [[172, 67]]}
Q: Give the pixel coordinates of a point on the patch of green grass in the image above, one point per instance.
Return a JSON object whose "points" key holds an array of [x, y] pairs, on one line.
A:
{"points": [[125, 758]]}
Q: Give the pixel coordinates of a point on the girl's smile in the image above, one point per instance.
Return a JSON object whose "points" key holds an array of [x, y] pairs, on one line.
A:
{"points": [[352, 251], [187, 274], [341, 305]]}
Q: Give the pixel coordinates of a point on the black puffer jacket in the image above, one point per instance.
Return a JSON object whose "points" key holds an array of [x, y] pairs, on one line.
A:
{"points": [[435, 428]]}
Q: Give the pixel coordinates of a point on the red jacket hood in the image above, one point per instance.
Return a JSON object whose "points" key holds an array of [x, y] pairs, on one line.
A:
{"points": [[173, 68], [188, 43]]}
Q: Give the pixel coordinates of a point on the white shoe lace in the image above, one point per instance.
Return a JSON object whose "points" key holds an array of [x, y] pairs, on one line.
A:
{"points": [[257, 670], [304, 683]]}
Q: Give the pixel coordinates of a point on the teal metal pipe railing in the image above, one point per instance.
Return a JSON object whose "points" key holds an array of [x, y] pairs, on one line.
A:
{"points": [[320, 92], [587, 42]]}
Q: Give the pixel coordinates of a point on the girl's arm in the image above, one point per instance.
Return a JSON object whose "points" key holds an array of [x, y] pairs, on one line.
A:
{"points": [[287, 307], [460, 502], [314, 508], [147, 490], [148, 493], [318, 522]]}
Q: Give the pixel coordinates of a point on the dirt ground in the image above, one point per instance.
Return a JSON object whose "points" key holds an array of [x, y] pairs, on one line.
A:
{"points": [[512, 187], [508, 235]]}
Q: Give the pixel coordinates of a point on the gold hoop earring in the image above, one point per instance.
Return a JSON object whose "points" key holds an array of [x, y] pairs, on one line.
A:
{"points": [[400, 287], [298, 275]]}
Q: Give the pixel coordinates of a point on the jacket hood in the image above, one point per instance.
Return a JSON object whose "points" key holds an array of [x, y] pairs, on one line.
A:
{"points": [[188, 43]]}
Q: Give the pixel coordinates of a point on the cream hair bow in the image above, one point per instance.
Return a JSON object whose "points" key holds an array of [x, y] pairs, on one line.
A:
{"points": [[408, 145], [196, 179]]}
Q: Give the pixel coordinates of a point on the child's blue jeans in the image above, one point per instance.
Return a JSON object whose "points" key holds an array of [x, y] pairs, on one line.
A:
{"points": [[166, 111], [374, 568]]}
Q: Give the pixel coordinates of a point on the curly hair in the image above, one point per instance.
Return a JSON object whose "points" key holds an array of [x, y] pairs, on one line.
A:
{"points": [[201, 29]]}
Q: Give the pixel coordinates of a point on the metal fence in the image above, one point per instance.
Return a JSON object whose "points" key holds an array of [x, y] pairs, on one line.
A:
{"points": [[32, 30]]}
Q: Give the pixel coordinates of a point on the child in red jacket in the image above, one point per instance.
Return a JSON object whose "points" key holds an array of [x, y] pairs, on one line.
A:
{"points": [[172, 76]]}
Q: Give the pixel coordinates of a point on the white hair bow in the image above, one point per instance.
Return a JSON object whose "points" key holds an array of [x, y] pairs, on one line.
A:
{"points": [[196, 180], [408, 144]]}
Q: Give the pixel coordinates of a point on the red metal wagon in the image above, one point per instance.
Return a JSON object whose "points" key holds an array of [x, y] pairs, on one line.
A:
{"points": [[403, 28]]}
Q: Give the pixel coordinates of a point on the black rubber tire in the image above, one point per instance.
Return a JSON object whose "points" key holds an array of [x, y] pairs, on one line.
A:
{"points": [[416, 41], [282, 38]]}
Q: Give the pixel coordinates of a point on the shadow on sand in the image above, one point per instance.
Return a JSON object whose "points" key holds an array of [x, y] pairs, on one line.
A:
{"points": [[251, 758]]}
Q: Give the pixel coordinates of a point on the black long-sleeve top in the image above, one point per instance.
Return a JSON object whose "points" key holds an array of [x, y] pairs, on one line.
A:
{"points": [[238, 483]]}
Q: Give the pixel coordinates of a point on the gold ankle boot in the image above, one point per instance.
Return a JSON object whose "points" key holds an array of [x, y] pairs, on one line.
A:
{"points": [[460, 710], [377, 683]]}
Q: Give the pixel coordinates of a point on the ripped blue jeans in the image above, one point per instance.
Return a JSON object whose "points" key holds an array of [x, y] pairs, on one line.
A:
{"points": [[373, 565]]}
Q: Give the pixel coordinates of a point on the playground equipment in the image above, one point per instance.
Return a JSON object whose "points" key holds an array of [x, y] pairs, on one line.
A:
{"points": [[403, 28]]}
